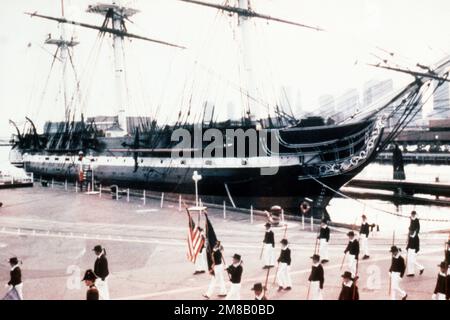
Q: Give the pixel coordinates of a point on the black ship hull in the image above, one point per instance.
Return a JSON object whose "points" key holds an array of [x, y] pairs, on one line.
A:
{"points": [[309, 163]]}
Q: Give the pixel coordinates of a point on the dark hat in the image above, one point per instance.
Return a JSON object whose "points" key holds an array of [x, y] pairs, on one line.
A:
{"points": [[351, 234], [89, 275], [315, 257], [347, 275], [14, 260], [364, 216], [284, 241], [413, 213], [257, 287], [268, 225], [98, 248], [443, 265], [237, 256], [394, 249]]}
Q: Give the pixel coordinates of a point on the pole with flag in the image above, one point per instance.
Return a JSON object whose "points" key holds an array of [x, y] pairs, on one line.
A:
{"points": [[195, 240]]}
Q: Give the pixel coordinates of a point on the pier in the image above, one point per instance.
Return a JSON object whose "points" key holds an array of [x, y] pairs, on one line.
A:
{"points": [[146, 247]]}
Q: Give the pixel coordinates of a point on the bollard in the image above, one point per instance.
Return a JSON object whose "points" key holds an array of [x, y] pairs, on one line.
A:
{"points": [[201, 203], [128, 194], [312, 223], [224, 210], [303, 222], [76, 186], [144, 198], [251, 214], [117, 193], [162, 199], [179, 202], [53, 181], [89, 187], [282, 215], [32, 177], [65, 184], [100, 191]]}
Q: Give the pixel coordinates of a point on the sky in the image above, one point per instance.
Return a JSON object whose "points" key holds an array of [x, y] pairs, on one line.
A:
{"points": [[161, 80]]}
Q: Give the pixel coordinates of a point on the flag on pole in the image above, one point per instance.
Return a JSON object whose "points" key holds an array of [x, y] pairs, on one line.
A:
{"points": [[212, 240], [195, 240]]}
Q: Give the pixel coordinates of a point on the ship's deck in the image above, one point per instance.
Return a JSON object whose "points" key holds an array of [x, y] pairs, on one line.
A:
{"points": [[53, 232]]}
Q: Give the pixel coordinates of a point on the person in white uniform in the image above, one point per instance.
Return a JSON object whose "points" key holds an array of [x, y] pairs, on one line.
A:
{"points": [[324, 238], [217, 272], [15, 282], [352, 252], [397, 271], [268, 247], [235, 273], [316, 278], [364, 232], [284, 262]]}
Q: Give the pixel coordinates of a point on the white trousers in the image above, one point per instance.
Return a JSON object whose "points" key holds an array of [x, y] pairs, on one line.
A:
{"points": [[438, 296], [395, 286], [103, 289], [412, 262], [235, 292], [323, 249], [19, 289], [217, 280], [364, 245], [351, 264], [201, 264], [316, 292], [268, 254], [283, 276]]}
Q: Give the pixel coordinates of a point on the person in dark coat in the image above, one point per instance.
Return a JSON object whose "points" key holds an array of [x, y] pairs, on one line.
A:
{"points": [[268, 247], [89, 279], [316, 278], [349, 289], [442, 289], [235, 273], [15, 281], [397, 271], [259, 291], [324, 239], [101, 271]]}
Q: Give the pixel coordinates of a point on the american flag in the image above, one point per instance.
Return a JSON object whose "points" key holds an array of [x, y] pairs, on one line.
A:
{"points": [[195, 240]]}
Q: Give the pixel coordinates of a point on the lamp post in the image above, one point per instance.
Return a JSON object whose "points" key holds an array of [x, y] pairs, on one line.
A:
{"points": [[196, 177]]}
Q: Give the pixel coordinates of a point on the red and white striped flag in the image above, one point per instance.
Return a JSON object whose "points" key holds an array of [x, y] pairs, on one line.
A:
{"points": [[195, 240]]}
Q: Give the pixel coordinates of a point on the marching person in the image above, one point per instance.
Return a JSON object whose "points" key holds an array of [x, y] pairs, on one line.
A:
{"points": [[201, 264], [235, 273], [316, 278], [324, 238], [442, 289], [15, 282], [284, 261], [349, 289], [268, 247], [89, 279], [259, 291], [217, 271], [364, 237], [352, 252], [412, 249], [397, 271], [101, 271]]}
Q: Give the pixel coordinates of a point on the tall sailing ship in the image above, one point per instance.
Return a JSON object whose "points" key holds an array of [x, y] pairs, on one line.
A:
{"points": [[298, 160]]}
